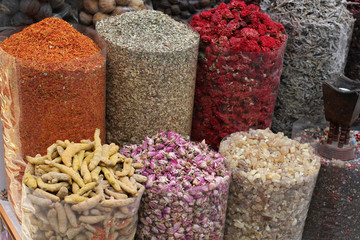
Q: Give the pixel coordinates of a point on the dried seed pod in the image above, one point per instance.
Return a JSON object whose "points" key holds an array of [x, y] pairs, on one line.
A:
{"points": [[91, 6], [29, 7], [99, 16], [9, 7], [107, 6], [56, 3], [85, 18], [45, 11], [122, 2], [20, 19]]}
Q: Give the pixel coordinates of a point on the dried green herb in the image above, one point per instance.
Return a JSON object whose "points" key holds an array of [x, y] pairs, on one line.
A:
{"points": [[151, 75]]}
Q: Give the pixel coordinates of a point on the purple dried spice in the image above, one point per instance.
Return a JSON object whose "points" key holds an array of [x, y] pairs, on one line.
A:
{"points": [[187, 188]]}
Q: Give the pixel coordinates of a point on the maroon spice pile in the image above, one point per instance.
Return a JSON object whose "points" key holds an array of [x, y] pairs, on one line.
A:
{"points": [[239, 67], [352, 69]]}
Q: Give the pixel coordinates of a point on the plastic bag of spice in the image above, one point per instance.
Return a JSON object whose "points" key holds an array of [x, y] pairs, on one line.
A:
{"points": [[93, 11], [26, 12], [151, 75], [272, 181], [239, 69], [319, 37], [43, 99], [187, 188], [334, 208], [93, 196]]}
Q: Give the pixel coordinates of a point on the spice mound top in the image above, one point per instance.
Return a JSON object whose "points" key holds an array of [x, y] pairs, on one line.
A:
{"points": [[50, 40], [265, 155], [147, 30]]}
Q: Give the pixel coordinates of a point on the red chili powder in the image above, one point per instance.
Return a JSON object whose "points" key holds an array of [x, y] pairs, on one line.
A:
{"points": [[52, 39]]}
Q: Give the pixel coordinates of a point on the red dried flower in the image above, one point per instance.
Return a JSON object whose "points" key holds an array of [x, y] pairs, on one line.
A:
{"points": [[239, 68]]}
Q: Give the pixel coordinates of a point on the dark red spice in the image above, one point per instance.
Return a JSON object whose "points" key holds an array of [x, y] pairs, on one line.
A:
{"points": [[53, 88], [239, 67]]}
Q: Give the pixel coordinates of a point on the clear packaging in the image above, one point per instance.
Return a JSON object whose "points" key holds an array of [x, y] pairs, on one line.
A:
{"points": [[43, 218], [273, 178], [151, 73], [82, 190], [319, 38], [26, 12], [235, 91], [334, 208], [93, 11], [46, 101], [186, 191]]}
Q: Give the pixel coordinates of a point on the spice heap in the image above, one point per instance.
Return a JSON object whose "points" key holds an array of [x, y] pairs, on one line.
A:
{"points": [[352, 69], [26, 12], [334, 208], [319, 32], [53, 88], [151, 75], [66, 195], [239, 68], [96, 10], [187, 188], [273, 178]]}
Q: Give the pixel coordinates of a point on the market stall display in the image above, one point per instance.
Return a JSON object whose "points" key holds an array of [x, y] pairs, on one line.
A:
{"points": [[53, 87], [319, 34], [26, 12], [272, 180], [240, 63], [82, 190], [186, 191], [151, 71]]}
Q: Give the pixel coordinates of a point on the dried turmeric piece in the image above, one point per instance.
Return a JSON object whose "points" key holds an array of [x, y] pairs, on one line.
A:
{"points": [[84, 170], [95, 173], [38, 159], [126, 168], [54, 177], [75, 198], [97, 152], [74, 175], [30, 181], [111, 178], [86, 188], [50, 187], [71, 150], [52, 152]]}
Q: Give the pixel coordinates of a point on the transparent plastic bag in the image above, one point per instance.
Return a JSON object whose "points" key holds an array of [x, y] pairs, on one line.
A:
{"points": [[228, 101], [196, 213], [46, 101], [92, 11], [319, 37], [26, 12], [150, 83], [270, 189], [43, 218], [334, 209]]}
